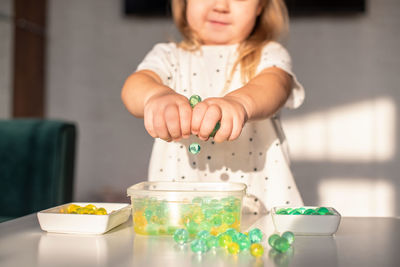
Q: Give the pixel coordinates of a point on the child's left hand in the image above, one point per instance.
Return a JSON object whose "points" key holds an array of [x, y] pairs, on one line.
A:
{"points": [[228, 110]]}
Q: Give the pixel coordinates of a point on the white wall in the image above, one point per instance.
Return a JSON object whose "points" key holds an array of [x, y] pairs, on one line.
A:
{"points": [[6, 39], [343, 139]]}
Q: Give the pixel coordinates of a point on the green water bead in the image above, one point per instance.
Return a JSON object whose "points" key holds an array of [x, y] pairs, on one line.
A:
{"points": [[212, 241], [281, 244], [322, 210], [310, 212], [192, 227], [282, 211], [203, 234], [216, 220], [194, 148], [272, 239], [181, 236], [244, 242], [228, 218], [295, 212], [232, 233], [255, 235], [194, 100], [289, 236], [199, 246], [216, 128]]}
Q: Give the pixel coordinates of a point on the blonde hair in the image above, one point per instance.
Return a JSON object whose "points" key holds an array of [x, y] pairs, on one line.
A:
{"points": [[271, 24]]}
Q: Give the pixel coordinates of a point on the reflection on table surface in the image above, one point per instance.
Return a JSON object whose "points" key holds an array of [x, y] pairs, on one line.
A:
{"points": [[358, 242]]}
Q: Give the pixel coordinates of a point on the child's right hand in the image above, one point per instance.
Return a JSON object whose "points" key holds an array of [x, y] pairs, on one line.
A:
{"points": [[168, 116]]}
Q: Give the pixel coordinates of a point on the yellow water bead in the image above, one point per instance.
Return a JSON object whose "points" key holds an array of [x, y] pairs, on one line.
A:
{"points": [[139, 219], [91, 207], [101, 211], [73, 208]]}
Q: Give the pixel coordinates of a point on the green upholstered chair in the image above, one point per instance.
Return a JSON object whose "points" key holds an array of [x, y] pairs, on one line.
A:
{"points": [[36, 165]]}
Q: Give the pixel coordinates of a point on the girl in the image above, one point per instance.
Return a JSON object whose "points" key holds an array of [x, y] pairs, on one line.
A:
{"points": [[229, 56]]}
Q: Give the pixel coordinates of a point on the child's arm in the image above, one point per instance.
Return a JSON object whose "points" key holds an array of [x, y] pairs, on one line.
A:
{"points": [[166, 114], [263, 96]]}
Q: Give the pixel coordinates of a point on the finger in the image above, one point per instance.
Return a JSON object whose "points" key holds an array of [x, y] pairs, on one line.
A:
{"points": [[160, 126], [148, 123], [211, 117], [185, 117], [237, 127], [225, 130], [172, 121], [197, 117]]}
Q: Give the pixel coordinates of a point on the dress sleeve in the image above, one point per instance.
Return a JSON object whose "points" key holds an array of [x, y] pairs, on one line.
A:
{"points": [[275, 55], [161, 59]]}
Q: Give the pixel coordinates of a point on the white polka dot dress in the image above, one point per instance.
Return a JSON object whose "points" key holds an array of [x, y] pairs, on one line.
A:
{"points": [[258, 157]]}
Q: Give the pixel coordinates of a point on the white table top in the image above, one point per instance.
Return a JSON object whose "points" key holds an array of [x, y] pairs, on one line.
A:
{"points": [[359, 241]]}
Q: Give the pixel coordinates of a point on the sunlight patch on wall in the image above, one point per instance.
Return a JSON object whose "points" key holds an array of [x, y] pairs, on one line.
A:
{"points": [[354, 196], [360, 132]]}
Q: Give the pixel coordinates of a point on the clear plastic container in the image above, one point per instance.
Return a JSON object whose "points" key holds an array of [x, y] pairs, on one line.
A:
{"points": [[159, 208]]}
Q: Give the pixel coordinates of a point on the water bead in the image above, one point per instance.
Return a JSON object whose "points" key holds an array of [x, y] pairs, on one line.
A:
{"points": [[228, 218], [181, 236], [295, 212], [216, 220], [310, 212], [244, 242], [216, 128], [255, 235], [194, 100], [233, 248], [212, 241], [101, 211], [91, 207], [192, 227], [272, 239], [199, 246], [203, 234], [289, 236], [231, 232], [194, 148], [72, 208], [281, 244], [322, 210], [224, 240], [256, 250]]}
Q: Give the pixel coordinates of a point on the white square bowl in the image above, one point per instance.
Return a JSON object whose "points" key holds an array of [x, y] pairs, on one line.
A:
{"points": [[306, 224], [51, 220]]}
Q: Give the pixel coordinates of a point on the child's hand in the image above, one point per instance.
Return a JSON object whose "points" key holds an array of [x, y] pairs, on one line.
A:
{"points": [[168, 116], [228, 110]]}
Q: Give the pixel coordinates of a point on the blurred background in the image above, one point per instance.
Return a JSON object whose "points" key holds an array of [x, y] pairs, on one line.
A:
{"points": [[343, 139]]}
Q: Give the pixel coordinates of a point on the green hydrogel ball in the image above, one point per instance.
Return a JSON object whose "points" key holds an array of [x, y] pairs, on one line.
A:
{"points": [[322, 210], [281, 244], [194, 148], [181, 236], [272, 239], [255, 235], [212, 241], [228, 218], [244, 242], [289, 237], [216, 128], [310, 212], [194, 100], [203, 234]]}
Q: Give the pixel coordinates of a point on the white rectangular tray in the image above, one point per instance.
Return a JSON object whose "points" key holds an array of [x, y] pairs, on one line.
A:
{"points": [[306, 224], [51, 220]]}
